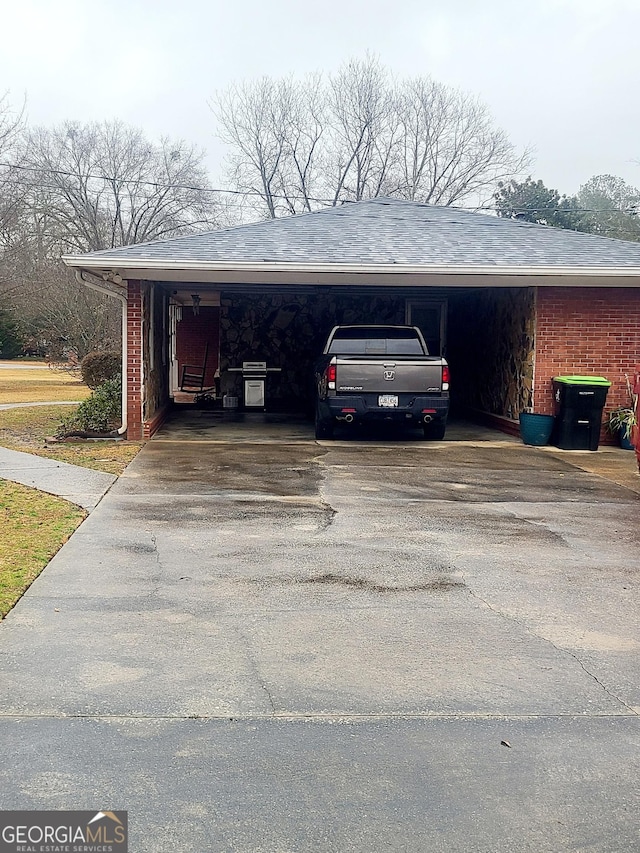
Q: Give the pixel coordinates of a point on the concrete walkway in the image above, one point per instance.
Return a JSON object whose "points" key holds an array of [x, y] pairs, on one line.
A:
{"points": [[31, 365], [81, 486], [5, 406]]}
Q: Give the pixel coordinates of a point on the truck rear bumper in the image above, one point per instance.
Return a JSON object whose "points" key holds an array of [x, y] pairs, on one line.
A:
{"points": [[366, 408]]}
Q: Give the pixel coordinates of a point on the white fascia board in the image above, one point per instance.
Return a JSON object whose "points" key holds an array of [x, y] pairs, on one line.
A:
{"points": [[151, 267]]}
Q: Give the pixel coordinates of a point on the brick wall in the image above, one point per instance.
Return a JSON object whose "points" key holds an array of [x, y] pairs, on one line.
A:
{"points": [[193, 333], [134, 361], [588, 331]]}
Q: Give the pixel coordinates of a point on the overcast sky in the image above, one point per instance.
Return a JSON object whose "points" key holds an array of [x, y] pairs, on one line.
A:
{"points": [[561, 76]]}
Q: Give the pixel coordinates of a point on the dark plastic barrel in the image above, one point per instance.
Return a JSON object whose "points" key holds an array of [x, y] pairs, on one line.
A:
{"points": [[536, 429]]}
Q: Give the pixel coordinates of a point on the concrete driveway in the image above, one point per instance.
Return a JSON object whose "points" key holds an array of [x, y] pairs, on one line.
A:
{"points": [[259, 642]]}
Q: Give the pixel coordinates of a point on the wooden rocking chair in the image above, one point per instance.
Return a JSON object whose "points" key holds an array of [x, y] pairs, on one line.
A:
{"points": [[192, 379]]}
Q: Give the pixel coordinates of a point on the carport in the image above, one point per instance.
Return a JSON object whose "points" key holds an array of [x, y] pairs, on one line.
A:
{"points": [[511, 304]]}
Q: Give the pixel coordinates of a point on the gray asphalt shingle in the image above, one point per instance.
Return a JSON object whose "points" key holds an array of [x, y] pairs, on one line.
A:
{"points": [[388, 231]]}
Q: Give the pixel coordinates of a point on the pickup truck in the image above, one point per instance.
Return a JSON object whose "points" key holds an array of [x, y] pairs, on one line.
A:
{"points": [[380, 373]]}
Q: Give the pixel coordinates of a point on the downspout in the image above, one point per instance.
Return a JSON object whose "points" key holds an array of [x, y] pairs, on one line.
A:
{"points": [[94, 283]]}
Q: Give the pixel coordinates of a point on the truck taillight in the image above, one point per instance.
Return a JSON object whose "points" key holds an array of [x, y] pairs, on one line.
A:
{"points": [[445, 377], [331, 377]]}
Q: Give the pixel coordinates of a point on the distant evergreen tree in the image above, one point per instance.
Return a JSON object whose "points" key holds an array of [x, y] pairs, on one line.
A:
{"points": [[10, 338], [532, 201], [611, 207], [605, 205]]}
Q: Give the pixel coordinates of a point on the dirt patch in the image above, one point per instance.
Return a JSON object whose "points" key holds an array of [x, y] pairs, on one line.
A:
{"points": [[436, 585], [140, 548], [360, 583]]}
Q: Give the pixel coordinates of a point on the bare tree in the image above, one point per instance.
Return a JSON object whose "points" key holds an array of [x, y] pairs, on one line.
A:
{"points": [[85, 187], [55, 313], [273, 128], [363, 131], [300, 145], [300, 170], [58, 315], [450, 148], [11, 122], [11, 127], [105, 185]]}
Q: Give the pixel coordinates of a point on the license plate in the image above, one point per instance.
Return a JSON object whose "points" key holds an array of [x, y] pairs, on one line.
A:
{"points": [[388, 401]]}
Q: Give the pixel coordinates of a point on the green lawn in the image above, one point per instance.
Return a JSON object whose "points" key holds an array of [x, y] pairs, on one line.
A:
{"points": [[34, 528], [27, 429], [36, 525]]}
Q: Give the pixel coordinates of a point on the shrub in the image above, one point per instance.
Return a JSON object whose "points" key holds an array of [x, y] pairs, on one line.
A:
{"points": [[100, 412], [10, 337], [99, 367]]}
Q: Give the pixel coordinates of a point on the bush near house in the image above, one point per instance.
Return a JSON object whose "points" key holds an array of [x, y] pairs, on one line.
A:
{"points": [[99, 367], [101, 412]]}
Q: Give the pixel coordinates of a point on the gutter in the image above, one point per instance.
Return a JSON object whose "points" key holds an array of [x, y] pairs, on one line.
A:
{"points": [[121, 263], [93, 283]]}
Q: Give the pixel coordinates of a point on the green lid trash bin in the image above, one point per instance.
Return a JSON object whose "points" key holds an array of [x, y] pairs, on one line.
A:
{"points": [[579, 401]]}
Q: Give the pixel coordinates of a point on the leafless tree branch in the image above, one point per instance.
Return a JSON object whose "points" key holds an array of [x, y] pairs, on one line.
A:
{"points": [[303, 144]]}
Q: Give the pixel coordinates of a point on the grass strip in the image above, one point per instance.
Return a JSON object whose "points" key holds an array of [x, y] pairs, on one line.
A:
{"points": [[34, 526], [27, 429]]}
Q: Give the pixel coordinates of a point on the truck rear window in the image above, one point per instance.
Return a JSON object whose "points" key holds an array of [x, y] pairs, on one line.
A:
{"points": [[375, 342]]}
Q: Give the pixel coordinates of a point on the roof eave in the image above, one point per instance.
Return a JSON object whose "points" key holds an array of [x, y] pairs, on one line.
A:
{"points": [[156, 267]]}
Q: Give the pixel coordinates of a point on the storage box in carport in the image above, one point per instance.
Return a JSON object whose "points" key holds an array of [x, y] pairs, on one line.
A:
{"points": [[579, 401]]}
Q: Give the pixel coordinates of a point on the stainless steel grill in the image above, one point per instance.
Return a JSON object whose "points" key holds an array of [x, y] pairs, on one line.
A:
{"points": [[254, 375]]}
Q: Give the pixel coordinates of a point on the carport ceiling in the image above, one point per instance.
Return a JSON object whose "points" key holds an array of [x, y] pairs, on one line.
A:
{"points": [[378, 242]]}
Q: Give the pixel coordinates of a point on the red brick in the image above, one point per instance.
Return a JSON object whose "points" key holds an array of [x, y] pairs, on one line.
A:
{"points": [[593, 331]]}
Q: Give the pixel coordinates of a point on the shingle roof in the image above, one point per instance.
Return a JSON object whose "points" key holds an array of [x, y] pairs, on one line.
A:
{"points": [[385, 231]]}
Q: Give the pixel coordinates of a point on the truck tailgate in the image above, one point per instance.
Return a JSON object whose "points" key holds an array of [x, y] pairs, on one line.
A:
{"points": [[394, 375]]}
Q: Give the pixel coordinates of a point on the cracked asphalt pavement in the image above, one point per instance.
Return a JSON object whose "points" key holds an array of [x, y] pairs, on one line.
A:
{"points": [[286, 645]]}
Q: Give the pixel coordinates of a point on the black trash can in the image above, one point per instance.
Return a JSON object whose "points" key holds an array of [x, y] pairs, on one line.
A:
{"points": [[579, 401]]}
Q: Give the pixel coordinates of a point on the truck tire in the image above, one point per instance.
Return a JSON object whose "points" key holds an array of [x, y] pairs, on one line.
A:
{"points": [[435, 431], [324, 427]]}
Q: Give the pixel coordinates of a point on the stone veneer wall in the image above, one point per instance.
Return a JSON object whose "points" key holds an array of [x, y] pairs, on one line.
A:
{"points": [[290, 332], [490, 349], [156, 372]]}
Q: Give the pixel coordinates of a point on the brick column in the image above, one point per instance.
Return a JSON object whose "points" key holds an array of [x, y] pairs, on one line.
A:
{"points": [[134, 361]]}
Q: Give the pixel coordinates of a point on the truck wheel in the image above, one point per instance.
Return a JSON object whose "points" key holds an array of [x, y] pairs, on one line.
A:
{"points": [[324, 427], [435, 431]]}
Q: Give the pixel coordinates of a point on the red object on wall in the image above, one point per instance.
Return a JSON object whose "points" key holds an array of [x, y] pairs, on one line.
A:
{"points": [[587, 331], [193, 333]]}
